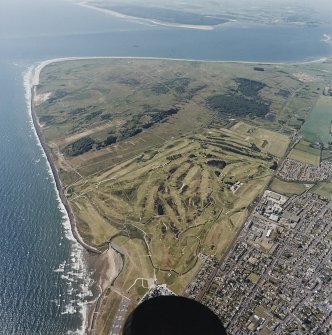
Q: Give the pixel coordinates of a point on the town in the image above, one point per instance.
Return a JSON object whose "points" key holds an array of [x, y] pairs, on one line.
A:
{"points": [[277, 276], [294, 170]]}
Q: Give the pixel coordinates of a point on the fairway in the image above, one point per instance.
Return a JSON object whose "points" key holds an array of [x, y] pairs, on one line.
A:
{"points": [[172, 198]]}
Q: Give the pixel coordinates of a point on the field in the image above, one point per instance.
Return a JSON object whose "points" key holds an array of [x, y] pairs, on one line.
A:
{"points": [[270, 141], [288, 188], [163, 159], [324, 189], [306, 153], [318, 125]]}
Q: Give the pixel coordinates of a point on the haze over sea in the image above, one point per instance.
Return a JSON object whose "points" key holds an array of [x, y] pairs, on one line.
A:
{"points": [[41, 274]]}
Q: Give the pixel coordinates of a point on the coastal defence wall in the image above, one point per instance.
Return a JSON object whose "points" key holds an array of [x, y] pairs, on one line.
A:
{"points": [[59, 187]]}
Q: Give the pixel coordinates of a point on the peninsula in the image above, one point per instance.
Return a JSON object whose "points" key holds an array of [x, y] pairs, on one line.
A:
{"points": [[163, 166]]}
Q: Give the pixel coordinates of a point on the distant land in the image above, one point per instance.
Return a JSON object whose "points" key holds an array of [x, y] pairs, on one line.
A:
{"points": [[189, 15], [166, 15], [162, 162]]}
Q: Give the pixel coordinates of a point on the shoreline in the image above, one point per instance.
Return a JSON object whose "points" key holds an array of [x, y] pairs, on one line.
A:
{"points": [[41, 65], [57, 180], [103, 266], [143, 20]]}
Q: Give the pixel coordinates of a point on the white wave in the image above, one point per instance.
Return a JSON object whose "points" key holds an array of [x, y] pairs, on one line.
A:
{"points": [[80, 275], [59, 270], [69, 309]]}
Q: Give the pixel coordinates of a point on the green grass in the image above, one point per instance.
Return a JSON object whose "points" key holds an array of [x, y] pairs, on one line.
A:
{"points": [[303, 152], [268, 141], [326, 154], [318, 124], [287, 188], [324, 189]]}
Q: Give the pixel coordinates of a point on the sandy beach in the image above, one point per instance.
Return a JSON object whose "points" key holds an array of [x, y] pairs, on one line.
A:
{"points": [[106, 269], [144, 20]]}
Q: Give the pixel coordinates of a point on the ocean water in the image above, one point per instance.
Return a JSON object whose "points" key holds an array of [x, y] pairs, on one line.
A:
{"points": [[42, 278]]}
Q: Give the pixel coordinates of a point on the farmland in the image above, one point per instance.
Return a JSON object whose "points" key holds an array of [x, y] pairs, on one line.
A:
{"points": [[318, 125], [306, 152], [288, 188]]}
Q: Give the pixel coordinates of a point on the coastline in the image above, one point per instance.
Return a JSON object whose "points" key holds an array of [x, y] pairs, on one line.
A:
{"points": [[144, 20], [41, 65], [63, 199], [103, 266]]}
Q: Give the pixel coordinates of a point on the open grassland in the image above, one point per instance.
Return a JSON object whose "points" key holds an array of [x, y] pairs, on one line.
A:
{"points": [[317, 127], [305, 152], [270, 141], [288, 188], [162, 159], [324, 189], [89, 105]]}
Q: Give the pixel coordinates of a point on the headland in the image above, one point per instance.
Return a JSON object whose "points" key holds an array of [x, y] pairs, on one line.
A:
{"points": [[162, 160]]}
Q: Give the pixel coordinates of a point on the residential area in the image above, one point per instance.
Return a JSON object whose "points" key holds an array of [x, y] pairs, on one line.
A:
{"points": [[295, 170], [276, 279]]}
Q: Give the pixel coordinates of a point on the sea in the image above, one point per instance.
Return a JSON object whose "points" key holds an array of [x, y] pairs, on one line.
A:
{"points": [[43, 281]]}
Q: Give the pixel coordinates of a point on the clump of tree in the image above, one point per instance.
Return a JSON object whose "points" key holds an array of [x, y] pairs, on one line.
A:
{"points": [[248, 87], [160, 115], [254, 147], [283, 93], [46, 119], [216, 163], [130, 132], [274, 166], [80, 146], [178, 85], [147, 125], [160, 89], [92, 115], [111, 139], [237, 105], [58, 94]]}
